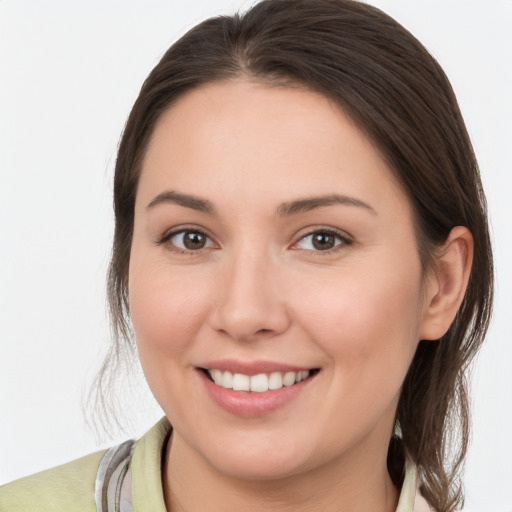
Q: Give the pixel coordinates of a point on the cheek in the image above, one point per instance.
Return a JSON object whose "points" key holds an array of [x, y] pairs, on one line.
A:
{"points": [[367, 322], [167, 309]]}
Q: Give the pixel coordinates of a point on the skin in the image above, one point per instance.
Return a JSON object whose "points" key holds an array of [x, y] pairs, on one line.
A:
{"points": [[259, 290]]}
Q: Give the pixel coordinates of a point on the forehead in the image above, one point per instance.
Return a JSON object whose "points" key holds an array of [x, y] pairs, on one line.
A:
{"points": [[245, 139]]}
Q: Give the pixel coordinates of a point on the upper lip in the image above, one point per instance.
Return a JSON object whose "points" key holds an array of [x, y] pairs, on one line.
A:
{"points": [[251, 367]]}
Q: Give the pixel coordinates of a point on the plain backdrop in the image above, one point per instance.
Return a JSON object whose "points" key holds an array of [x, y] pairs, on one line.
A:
{"points": [[69, 73]]}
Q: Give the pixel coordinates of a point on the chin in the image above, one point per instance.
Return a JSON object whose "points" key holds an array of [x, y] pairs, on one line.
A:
{"points": [[258, 459], [261, 467]]}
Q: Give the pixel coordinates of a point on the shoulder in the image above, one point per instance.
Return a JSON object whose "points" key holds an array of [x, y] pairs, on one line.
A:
{"points": [[78, 485], [69, 487]]}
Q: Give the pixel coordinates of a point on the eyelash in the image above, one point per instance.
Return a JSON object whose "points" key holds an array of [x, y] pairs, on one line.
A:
{"points": [[343, 239], [165, 239]]}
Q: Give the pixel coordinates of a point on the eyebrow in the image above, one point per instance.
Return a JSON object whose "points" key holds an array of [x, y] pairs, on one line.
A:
{"points": [[185, 200], [311, 203], [284, 210]]}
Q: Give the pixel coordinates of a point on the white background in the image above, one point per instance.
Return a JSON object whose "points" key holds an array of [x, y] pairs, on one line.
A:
{"points": [[69, 73]]}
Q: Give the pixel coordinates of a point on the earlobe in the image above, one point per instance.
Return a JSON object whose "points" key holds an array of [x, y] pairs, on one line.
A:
{"points": [[447, 284]]}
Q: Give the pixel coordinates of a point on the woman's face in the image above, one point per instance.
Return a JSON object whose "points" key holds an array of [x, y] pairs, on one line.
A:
{"points": [[272, 243]]}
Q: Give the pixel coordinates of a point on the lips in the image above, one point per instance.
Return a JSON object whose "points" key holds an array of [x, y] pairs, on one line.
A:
{"points": [[252, 389]]}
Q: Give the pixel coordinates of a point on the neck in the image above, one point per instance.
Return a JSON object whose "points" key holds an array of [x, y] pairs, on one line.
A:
{"points": [[354, 482]]}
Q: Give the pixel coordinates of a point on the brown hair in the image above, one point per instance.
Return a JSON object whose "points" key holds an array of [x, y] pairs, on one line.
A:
{"points": [[381, 76]]}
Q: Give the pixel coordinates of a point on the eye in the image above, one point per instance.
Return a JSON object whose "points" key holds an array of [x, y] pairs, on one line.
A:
{"points": [[187, 240], [322, 240]]}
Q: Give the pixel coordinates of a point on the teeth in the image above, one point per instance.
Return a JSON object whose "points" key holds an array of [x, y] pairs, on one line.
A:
{"points": [[216, 375], [241, 382], [289, 378], [227, 380], [257, 383], [275, 381]]}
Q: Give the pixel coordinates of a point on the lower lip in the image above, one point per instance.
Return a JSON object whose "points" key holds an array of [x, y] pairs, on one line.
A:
{"points": [[249, 404]]}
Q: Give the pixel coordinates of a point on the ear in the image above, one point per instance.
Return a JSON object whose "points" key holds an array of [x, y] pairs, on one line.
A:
{"points": [[447, 283]]}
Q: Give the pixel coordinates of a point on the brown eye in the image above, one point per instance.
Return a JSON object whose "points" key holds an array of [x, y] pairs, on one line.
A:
{"points": [[190, 240], [321, 241], [193, 240]]}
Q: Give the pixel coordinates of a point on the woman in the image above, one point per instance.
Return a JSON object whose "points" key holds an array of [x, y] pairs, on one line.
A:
{"points": [[301, 246]]}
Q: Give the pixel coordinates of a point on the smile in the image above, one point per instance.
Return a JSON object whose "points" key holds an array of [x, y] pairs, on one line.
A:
{"points": [[259, 383], [254, 389]]}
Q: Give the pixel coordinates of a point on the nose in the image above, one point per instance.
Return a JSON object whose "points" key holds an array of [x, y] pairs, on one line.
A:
{"points": [[252, 301]]}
